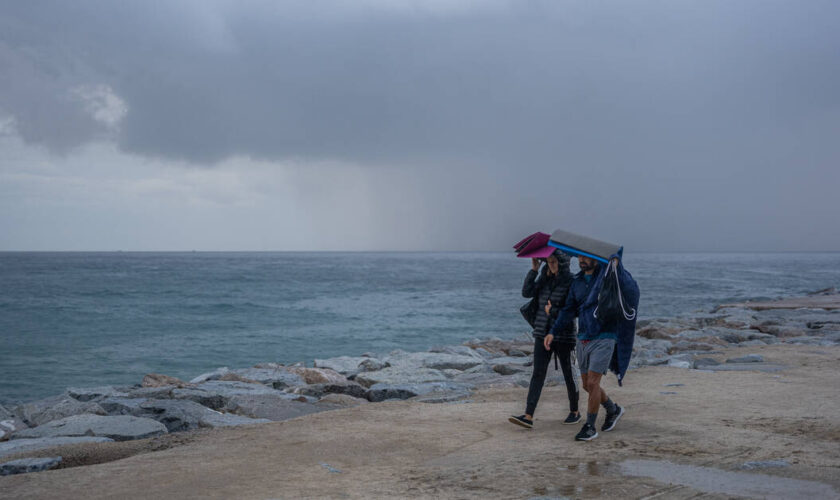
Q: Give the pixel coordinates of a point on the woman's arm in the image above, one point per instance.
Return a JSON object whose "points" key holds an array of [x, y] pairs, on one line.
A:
{"points": [[529, 288]]}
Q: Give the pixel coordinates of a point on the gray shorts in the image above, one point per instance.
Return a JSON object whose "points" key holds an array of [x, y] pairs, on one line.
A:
{"points": [[595, 355]]}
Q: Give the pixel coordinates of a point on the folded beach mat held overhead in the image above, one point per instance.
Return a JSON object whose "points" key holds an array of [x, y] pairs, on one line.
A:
{"points": [[536, 247], [577, 244], [524, 242]]}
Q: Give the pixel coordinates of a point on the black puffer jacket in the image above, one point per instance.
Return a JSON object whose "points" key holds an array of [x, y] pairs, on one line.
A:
{"points": [[547, 287]]}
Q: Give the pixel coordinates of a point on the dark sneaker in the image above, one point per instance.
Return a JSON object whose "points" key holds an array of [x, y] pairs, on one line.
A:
{"points": [[573, 418], [612, 419], [521, 420], [588, 433]]}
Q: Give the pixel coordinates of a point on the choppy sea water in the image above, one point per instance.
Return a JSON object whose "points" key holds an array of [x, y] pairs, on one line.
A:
{"points": [[87, 319]]}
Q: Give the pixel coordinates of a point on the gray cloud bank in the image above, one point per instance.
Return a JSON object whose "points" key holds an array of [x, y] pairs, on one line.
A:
{"points": [[665, 124]]}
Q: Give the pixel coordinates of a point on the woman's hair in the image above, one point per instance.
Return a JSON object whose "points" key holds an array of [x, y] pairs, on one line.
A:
{"points": [[562, 258], [563, 261]]}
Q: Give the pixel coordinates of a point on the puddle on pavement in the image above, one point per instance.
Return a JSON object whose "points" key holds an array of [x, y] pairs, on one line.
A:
{"points": [[580, 488], [589, 468], [712, 480]]}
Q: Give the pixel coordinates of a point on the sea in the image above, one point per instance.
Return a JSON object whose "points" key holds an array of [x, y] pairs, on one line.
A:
{"points": [[71, 319]]}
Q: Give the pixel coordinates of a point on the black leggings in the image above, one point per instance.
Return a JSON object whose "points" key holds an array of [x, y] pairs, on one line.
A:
{"points": [[542, 358]]}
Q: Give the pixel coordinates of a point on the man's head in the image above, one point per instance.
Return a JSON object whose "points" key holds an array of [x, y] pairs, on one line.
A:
{"points": [[587, 264]]}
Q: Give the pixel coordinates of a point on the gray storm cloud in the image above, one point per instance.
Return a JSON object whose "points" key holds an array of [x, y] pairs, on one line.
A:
{"points": [[708, 120]]}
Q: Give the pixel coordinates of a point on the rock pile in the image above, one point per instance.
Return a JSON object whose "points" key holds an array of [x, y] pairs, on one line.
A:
{"points": [[266, 392], [686, 341], [274, 392]]}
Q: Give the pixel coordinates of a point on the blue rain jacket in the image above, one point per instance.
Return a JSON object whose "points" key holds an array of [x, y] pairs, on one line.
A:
{"points": [[582, 301]]}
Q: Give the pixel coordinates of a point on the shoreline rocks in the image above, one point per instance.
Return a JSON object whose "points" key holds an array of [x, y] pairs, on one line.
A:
{"points": [[25, 465], [121, 428], [34, 444]]}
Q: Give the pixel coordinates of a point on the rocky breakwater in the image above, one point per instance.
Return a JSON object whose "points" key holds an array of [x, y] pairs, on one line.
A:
{"points": [[263, 393], [698, 340], [447, 374]]}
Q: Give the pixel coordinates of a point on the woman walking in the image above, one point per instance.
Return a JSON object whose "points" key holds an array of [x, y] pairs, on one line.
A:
{"points": [[550, 288]]}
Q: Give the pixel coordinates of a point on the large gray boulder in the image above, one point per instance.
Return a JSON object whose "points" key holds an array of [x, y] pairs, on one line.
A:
{"points": [[508, 369], [433, 360], [122, 406], [318, 390], [372, 364], [29, 411], [319, 375], [25, 465], [214, 375], [163, 392], [272, 407], [686, 346], [66, 408], [692, 334], [277, 377], [400, 375], [10, 425], [654, 345], [272, 374], [44, 410], [512, 360], [701, 363], [119, 428], [26, 445], [460, 350], [750, 343], [783, 331], [831, 337], [489, 379], [346, 365], [657, 330], [92, 393], [734, 336], [648, 357], [809, 318], [810, 340], [185, 415], [736, 317], [216, 393], [381, 392], [497, 347]]}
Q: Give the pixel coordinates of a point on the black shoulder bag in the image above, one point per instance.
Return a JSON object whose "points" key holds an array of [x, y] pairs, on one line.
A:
{"points": [[529, 310]]}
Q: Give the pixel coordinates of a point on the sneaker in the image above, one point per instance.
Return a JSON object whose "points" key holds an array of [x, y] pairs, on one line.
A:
{"points": [[573, 418], [588, 433], [612, 419], [521, 420]]}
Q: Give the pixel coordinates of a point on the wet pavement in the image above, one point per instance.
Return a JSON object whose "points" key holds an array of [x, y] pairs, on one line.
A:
{"points": [[711, 480]]}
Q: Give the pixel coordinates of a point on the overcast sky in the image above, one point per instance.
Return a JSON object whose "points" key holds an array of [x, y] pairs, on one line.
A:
{"points": [[411, 125]]}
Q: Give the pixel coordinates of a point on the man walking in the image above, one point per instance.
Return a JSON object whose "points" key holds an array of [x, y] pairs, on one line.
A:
{"points": [[596, 340]]}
